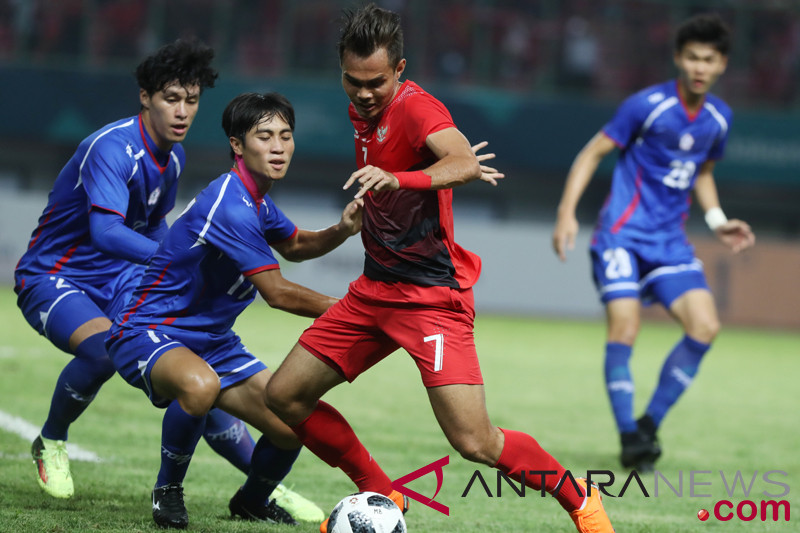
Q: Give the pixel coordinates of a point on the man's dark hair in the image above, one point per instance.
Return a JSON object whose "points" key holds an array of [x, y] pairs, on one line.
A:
{"points": [[368, 29], [706, 28], [248, 109], [186, 61]]}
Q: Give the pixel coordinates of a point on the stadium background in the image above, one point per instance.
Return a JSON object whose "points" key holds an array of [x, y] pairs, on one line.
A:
{"points": [[535, 78]]}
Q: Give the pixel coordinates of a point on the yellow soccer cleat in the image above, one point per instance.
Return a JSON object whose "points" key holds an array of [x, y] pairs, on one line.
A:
{"points": [[592, 517], [301, 509], [52, 463]]}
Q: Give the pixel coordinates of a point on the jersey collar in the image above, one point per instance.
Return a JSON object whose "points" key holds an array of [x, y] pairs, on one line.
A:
{"points": [[154, 151], [689, 114], [247, 180]]}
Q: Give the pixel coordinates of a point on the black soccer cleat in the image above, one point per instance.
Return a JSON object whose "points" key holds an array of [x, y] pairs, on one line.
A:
{"points": [[640, 448], [647, 429], [271, 513], [168, 508]]}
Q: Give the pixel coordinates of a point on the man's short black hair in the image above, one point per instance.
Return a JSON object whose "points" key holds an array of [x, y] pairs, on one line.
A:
{"points": [[248, 109], [368, 29], [186, 61], [706, 28]]}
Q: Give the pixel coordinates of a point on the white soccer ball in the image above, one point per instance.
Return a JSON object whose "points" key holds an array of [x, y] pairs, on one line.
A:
{"points": [[366, 512]]}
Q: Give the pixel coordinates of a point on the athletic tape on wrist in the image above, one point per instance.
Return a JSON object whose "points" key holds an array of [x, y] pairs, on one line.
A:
{"points": [[715, 218]]}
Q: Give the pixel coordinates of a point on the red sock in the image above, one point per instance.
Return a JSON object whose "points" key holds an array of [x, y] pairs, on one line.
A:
{"points": [[521, 453], [328, 435]]}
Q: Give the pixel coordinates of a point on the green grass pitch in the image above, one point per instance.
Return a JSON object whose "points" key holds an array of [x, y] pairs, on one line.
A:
{"points": [[542, 376]]}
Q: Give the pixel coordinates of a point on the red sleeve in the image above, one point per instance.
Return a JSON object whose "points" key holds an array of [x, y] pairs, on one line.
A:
{"points": [[424, 115]]}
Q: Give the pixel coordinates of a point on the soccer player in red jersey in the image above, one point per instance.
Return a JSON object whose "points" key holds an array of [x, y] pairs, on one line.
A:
{"points": [[416, 290]]}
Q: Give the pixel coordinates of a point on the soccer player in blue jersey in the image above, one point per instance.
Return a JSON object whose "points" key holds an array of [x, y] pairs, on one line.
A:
{"points": [[669, 136], [103, 221], [174, 339]]}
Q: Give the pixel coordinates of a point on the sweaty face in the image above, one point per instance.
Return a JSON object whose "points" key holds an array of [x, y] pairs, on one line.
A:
{"points": [[168, 113], [699, 66], [268, 148], [370, 82]]}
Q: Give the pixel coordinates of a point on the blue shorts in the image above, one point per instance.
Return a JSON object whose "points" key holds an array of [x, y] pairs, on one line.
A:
{"points": [[650, 271], [56, 306], [135, 351]]}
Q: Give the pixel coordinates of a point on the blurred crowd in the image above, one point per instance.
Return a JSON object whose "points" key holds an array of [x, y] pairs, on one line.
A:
{"points": [[598, 48]]}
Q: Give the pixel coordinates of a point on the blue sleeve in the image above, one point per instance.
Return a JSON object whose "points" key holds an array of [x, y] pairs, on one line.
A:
{"points": [[277, 226], [235, 230], [111, 236], [105, 172], [156, 231], [627, 121]]}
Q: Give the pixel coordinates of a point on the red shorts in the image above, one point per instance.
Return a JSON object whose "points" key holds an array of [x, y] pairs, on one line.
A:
{"points": [[375, 318]]}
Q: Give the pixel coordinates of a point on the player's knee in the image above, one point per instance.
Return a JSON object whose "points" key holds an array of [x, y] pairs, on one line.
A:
{"points": [[278, 400], [198, 394], [704, 330], [104, 369], [623, 331], [474, 448]]}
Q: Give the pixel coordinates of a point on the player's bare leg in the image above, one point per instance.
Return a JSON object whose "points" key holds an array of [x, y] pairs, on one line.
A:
{"points": [[294, 392], [461, 413]]}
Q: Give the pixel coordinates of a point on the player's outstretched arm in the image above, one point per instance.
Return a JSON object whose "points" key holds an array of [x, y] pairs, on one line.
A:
{"points": [[734, 233], [308, 244], [280, 293], [580, 174]]}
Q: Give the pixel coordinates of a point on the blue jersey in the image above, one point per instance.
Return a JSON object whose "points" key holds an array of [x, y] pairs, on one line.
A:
{"points": [[662, 147], [197, 278], [118, 169]]}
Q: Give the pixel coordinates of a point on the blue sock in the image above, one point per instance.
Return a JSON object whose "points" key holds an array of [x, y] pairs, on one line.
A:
{"points": [[268, 468], [228, 436], [676, 375], [77, 386], [619, 385], [180, 433]]}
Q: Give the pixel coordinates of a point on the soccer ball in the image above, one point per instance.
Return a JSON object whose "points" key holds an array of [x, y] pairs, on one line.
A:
{"points": [[366, 512]]}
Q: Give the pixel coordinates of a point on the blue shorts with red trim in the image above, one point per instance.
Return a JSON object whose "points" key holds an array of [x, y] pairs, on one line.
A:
{"points": [[56, 306], [134, 352], [652, 271]]}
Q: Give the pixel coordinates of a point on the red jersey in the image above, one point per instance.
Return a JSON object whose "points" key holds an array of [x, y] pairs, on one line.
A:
{"points": [[408, 234]]}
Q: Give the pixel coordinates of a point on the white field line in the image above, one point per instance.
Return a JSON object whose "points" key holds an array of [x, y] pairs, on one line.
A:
{"points": [[29, 432]]}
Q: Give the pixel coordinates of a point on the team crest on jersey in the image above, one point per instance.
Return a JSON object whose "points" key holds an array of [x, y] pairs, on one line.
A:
{"points": [[381, 135], [686, 142], [154, 196]]}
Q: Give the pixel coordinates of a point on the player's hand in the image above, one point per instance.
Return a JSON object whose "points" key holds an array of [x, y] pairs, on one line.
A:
{"points": [[371, 178], [352, 216], [736, 234], [488, 174], [564, 235]]}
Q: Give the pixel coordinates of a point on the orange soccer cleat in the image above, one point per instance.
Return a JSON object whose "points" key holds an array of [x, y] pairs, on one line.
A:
{"points": [[592, 517]]}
